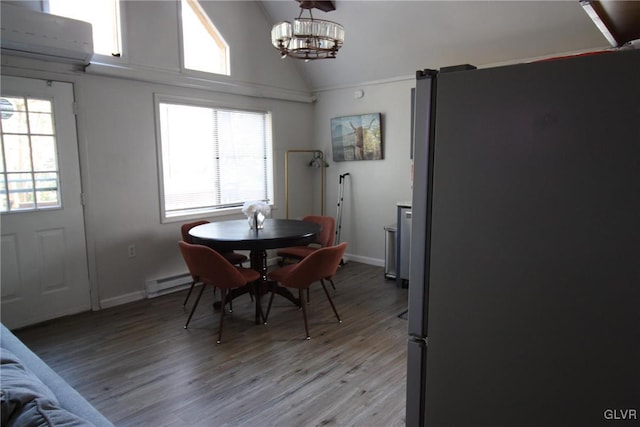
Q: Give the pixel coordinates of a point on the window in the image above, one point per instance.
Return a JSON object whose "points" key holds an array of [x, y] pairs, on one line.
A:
{"points": [[28, 156], [103, 15], [203, 47], [212, 159]]}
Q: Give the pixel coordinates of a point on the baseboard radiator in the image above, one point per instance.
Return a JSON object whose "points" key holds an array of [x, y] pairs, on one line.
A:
{"points": [[167, 285], [157, 287]]}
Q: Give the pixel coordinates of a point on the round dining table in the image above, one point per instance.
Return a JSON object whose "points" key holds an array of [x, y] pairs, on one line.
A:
{"points": [[224, 236]]}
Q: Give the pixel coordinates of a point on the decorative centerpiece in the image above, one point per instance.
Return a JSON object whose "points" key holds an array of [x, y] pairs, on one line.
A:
{"points": [[256, 212]]}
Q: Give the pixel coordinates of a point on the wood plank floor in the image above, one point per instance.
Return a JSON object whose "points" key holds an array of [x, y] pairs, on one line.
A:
{"points": [[138, 365]]}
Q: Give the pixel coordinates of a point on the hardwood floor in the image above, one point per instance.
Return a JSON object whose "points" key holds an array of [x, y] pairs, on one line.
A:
{"points": [[138, 365]]}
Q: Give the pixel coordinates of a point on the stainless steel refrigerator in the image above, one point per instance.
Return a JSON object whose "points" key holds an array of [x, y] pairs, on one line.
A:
{"points": [[524, 291]]}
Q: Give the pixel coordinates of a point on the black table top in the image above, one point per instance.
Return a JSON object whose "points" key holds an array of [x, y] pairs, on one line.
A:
{"points": [[236, 234]]}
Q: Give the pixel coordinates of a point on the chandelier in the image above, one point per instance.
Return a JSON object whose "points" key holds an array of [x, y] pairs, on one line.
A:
{"points": [[307, 38]]}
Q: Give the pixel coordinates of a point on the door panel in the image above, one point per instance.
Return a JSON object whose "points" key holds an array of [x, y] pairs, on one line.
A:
{"points": [[44, 258], [10, 267], [51, 259]]}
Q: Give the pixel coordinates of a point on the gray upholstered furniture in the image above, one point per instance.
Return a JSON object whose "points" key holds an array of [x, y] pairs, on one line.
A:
{"points": [[33, 394]]}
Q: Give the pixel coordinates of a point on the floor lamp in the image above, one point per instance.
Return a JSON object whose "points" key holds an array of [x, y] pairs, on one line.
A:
{"points": [[317, 161]]}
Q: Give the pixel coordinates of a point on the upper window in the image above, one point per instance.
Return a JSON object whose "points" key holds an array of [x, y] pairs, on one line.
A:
{"points": [[203, 47], [29, 177], [103, 15], [212, 159]]}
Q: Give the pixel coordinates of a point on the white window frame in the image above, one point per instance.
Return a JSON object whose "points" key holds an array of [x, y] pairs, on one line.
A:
{"points": [[30, 134], [218, 37], [213, 211]]}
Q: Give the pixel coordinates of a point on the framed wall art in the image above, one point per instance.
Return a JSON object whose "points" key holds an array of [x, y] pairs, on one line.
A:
{"points": [[357, 137]]}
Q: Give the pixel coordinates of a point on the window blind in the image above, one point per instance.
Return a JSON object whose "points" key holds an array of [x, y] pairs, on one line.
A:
{"points": [[213, 158]]}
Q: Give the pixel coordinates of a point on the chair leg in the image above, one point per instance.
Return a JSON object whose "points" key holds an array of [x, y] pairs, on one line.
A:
{"points": [[330, 301], [214, 297], [268, 308], [195, 305], [224, 300], [258, 301], [304, 313], [331, 281], [189, 293]]}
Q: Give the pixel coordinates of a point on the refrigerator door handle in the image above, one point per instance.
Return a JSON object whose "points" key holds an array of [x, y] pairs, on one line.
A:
{"points": [[421, 340]]}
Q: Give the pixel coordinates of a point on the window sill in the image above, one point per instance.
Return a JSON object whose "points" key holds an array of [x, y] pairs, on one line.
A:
{"points": [[219, 214]]}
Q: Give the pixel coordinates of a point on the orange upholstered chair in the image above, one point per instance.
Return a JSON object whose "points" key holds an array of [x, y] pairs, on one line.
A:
{"points": [[324, 239], [211, 268], [317, 266], [232, 257]]}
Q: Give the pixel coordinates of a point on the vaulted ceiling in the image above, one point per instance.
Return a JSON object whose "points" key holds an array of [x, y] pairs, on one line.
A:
{"points": [[392, 39]]}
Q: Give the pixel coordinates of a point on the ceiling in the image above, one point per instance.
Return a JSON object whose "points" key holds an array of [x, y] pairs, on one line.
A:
{"points": [[387, 40]]}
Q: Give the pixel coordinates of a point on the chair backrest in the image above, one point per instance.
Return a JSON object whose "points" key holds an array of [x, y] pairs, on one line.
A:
{"points": [[188, 226], [210, 267], [320, 264], [328, 224]]}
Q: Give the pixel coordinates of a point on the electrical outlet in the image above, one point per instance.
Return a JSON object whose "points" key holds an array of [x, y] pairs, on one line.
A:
{"points": [[131, 251]]}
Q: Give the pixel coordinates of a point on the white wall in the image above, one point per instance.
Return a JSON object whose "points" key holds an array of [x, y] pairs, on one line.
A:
{"points": [[373, 187], [118, 123], [116, 130]]}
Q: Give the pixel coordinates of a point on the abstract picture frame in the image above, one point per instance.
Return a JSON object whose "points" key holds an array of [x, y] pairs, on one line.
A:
{"points": [[357, 137]]}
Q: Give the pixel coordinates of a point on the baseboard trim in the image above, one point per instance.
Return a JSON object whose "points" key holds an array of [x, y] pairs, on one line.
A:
{"points": [[365, 260], [139, 295]]}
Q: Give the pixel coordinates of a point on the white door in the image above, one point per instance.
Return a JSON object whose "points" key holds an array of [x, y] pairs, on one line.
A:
{"points": [[44, 257]]}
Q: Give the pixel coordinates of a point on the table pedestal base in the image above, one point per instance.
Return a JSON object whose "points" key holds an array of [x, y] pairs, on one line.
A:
{"points": [[258, 260]]}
